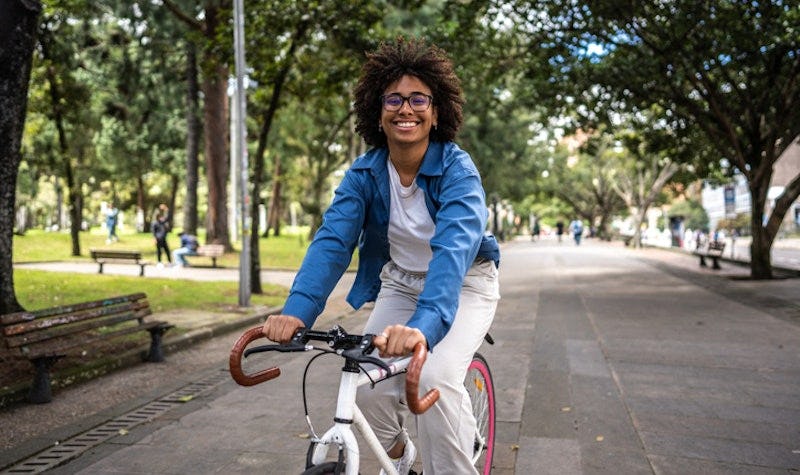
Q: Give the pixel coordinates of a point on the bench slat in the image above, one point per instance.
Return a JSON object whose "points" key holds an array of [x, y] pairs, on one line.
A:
{"points": [[18, 317], [211, 250], [72, 317], [38, 351], [71, 329], [114, 254]]}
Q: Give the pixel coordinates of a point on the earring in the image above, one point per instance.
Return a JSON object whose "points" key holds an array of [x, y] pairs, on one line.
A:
{"points": [[380, 127], [435, 126]]}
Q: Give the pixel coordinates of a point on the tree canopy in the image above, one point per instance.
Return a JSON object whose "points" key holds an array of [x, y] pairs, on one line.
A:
{"points": [[679, 89]]}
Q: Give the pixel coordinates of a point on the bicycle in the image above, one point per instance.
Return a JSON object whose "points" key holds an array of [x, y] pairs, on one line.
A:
{"points": [[356, 350]]}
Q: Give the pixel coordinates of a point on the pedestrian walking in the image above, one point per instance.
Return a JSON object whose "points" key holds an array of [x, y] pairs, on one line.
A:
{"points": [[160, 230], [576, 228], [112, 215], [559, 229]]}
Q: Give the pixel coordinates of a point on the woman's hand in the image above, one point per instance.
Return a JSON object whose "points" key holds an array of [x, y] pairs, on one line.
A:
{"points": [[398, 340], [281, 328]]}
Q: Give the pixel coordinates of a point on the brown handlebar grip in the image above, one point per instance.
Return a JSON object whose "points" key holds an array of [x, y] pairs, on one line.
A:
{"points": [[416, 404], [235, 362]]}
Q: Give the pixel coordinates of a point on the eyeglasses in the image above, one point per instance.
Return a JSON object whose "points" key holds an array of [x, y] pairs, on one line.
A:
{"points": [[418, 101]]}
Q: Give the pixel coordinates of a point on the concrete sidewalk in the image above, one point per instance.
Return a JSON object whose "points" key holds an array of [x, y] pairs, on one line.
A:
{"points": [[608, 361]]}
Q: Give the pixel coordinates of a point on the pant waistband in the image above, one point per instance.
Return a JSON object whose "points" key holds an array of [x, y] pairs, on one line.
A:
{"points": [[478, 260]]}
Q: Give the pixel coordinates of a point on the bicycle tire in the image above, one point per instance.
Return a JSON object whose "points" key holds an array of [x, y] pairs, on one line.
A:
{"points": [[480, 386], [327, 468]]}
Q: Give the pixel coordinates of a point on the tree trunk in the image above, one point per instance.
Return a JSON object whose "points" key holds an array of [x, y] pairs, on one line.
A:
{"points": [[273, 217], [217, 169], [74, 207], [175, 183], [193, 129], [141, 206], [60, 220], [761, 244], [760, 250], [636, 240], [18, 36]]}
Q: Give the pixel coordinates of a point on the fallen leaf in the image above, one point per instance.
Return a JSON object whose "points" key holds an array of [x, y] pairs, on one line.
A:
{"points": [[185, 398], [304, 435], [123, 431], [566, 409], [514, 447], [599, 438]]}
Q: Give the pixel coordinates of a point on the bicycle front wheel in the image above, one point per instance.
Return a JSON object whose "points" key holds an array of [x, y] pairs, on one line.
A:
{"points": [[327, 468], [480, 386]]}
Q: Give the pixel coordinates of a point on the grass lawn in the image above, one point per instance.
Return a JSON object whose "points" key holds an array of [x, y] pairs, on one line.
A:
{"points": [[282, 252], [41, 289]]}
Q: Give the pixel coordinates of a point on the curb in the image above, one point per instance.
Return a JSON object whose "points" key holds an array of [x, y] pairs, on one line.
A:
{"points": [[787, 271]]}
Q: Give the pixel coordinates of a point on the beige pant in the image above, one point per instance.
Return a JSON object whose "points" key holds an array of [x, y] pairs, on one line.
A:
{"points": [[446, 431]]}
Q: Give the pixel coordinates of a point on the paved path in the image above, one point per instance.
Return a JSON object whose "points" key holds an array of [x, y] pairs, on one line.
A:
{"points": [[608, 361]]}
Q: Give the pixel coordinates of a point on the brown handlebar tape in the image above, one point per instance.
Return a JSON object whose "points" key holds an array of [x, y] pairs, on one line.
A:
{"points": [[416, 404], [235, 362]]}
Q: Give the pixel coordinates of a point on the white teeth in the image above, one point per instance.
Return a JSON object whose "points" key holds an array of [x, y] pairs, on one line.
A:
{"points": [[406, 124]]}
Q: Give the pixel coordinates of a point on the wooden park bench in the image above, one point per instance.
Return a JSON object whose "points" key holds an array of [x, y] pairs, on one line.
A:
{"points": [[45, 336], [103, 256], [712, 250], [209, 250]]}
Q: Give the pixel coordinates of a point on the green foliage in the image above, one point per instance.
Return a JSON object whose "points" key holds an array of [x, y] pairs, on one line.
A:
{"points": [[694, 216], [740, 224]]}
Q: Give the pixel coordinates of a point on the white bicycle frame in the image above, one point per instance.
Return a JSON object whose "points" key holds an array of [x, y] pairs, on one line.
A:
{"points": [[347, 414], [353, 376]]}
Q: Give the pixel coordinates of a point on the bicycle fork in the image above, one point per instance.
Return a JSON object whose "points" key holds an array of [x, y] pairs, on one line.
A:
{"points": [[341, 434]]}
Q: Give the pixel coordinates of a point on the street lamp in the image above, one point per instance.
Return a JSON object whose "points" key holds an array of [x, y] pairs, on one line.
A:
{"points": [[241, 152]]}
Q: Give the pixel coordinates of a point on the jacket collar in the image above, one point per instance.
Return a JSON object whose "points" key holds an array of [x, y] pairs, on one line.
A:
{"points": [[375, 160]]}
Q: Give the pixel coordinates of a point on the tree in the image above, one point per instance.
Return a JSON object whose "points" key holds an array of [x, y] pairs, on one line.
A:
{"points": [[312, 55], [580, 176], [65, 101], [210, 23], [141, 138], [193, 134], [725, 71], [17, 40], [640, 176]]}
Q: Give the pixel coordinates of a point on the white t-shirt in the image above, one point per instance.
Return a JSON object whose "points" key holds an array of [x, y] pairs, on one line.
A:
{"points": [[410, 225]]}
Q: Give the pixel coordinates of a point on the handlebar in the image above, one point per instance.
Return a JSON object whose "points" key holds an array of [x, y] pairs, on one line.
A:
{"points": [[235, 361], [352, 347]]}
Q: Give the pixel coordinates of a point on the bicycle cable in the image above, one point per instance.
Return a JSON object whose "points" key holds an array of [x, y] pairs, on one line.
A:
{"points": [[322, 352]]}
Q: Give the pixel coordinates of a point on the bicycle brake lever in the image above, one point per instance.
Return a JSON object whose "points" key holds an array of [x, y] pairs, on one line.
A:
{"points": [[287, 348], [235, 360]]}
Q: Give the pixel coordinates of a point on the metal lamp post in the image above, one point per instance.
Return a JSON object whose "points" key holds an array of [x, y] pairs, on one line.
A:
{"points": [[241, 152]]}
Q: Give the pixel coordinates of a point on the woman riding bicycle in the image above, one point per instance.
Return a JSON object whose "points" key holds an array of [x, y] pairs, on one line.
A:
{"points": [[415, 206]]}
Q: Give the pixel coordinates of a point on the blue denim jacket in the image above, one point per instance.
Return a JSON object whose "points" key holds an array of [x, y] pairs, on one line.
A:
{"points": [[359, 215]]}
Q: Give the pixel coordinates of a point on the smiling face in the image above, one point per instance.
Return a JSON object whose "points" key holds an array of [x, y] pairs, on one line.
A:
{"points": [[405, 127]]}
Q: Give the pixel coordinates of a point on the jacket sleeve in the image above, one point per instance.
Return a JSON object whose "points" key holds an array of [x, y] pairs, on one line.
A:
{"points": [[330, 251], [460, 223]]}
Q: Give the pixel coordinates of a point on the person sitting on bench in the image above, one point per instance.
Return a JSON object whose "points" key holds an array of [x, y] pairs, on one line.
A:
{"points": [[188, 247]]}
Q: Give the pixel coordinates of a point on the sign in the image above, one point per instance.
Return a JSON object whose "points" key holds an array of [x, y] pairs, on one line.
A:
{"points": [[730, 201]]}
